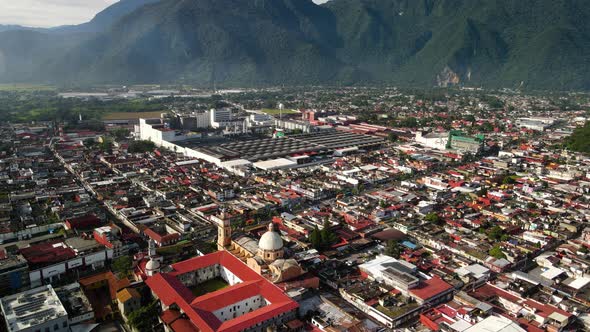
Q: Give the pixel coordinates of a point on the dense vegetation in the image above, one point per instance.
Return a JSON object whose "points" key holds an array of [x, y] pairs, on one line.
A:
{"points": [[141, 146], [19, 106], [505, 43], [580, 139]]}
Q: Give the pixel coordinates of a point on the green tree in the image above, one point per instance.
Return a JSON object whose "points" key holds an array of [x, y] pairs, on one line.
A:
{"points": [[141, 146], [470, 118], [106, 144], [495, 233], [315, 238], [120, 133], [432, 217], [122, 265], [410, 122], [580, 139], [327, 235], [144, 318], [89, 142], [496, 252], [392, 137], [486, 127], [508, 179], [393, 249]]}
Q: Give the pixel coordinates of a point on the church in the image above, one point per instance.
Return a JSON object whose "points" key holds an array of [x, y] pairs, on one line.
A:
{"points": [[266, 257]]}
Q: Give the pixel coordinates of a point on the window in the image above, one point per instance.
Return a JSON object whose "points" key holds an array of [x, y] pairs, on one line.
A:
{"points": [[55, 327], [65, 324]]}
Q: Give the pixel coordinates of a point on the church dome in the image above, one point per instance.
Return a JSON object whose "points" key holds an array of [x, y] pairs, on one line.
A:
{"points": [[271, 240], [152, 265]]}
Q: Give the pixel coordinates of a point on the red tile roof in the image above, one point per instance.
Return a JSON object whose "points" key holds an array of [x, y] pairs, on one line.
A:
{"points": [[430, 288], [87, 221], [50, 252], [183, 325], [160, 238], [200, 309], [168, 316]]}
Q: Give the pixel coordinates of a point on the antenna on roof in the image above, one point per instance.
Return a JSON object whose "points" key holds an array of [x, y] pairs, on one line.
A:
{"points": [[281, 106]]}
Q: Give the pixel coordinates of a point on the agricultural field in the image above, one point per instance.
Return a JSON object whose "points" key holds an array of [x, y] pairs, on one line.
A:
{"points": [[131, 115]]}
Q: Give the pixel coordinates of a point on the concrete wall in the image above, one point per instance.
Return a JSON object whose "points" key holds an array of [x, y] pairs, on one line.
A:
{"points": [[240, 308]]}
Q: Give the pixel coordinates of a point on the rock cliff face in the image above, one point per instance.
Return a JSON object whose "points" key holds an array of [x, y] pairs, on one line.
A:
{"points": [[447, 78]]}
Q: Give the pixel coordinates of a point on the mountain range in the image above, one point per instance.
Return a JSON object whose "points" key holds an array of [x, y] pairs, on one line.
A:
{"points": [[536, 44]]}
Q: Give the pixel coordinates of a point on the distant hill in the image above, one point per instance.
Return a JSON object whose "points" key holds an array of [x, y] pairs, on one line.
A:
{"points": [[106, 18], [10, 27], [18, 27], [539, 44]]}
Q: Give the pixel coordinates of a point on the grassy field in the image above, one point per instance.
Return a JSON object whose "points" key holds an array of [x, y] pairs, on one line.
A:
{"points": [[277, 112], [131, 115], [26, 87], [209, 286]]}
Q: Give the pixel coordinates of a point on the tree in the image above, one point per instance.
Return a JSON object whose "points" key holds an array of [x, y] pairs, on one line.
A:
{"points": [[120, 133], [328, 237], [410, 122], [482, 192], [495, 233], [141, 146], [470, 118], [106, 144], [89, 142], [496, 252], [315, 238], [392, 137], [393, 249], [508, 179], [432, 217], [580, 139], [122, 265], [144, 318], [486, 127]]}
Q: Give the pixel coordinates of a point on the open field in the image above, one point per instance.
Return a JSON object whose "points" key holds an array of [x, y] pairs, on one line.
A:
{"points": [[26, 87], [131, 115], [276, 111]]}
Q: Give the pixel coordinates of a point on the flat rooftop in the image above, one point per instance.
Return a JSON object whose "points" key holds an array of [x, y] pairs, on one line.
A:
{"points": [[255, 149], [32, 307]]}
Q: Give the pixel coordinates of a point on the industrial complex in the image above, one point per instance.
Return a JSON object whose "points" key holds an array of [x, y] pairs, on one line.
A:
{"points": [[299, 149]]}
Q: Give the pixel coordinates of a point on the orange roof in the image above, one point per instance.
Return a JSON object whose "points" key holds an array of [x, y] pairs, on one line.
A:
{"points": [[114, 283], [126, 294]]}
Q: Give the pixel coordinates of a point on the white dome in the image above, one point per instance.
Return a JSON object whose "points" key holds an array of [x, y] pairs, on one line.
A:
{"points": [[152, 265], [271, 241]]}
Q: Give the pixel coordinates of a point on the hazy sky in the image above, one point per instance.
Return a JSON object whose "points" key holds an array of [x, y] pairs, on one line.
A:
{"points": [[49, 13]]}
